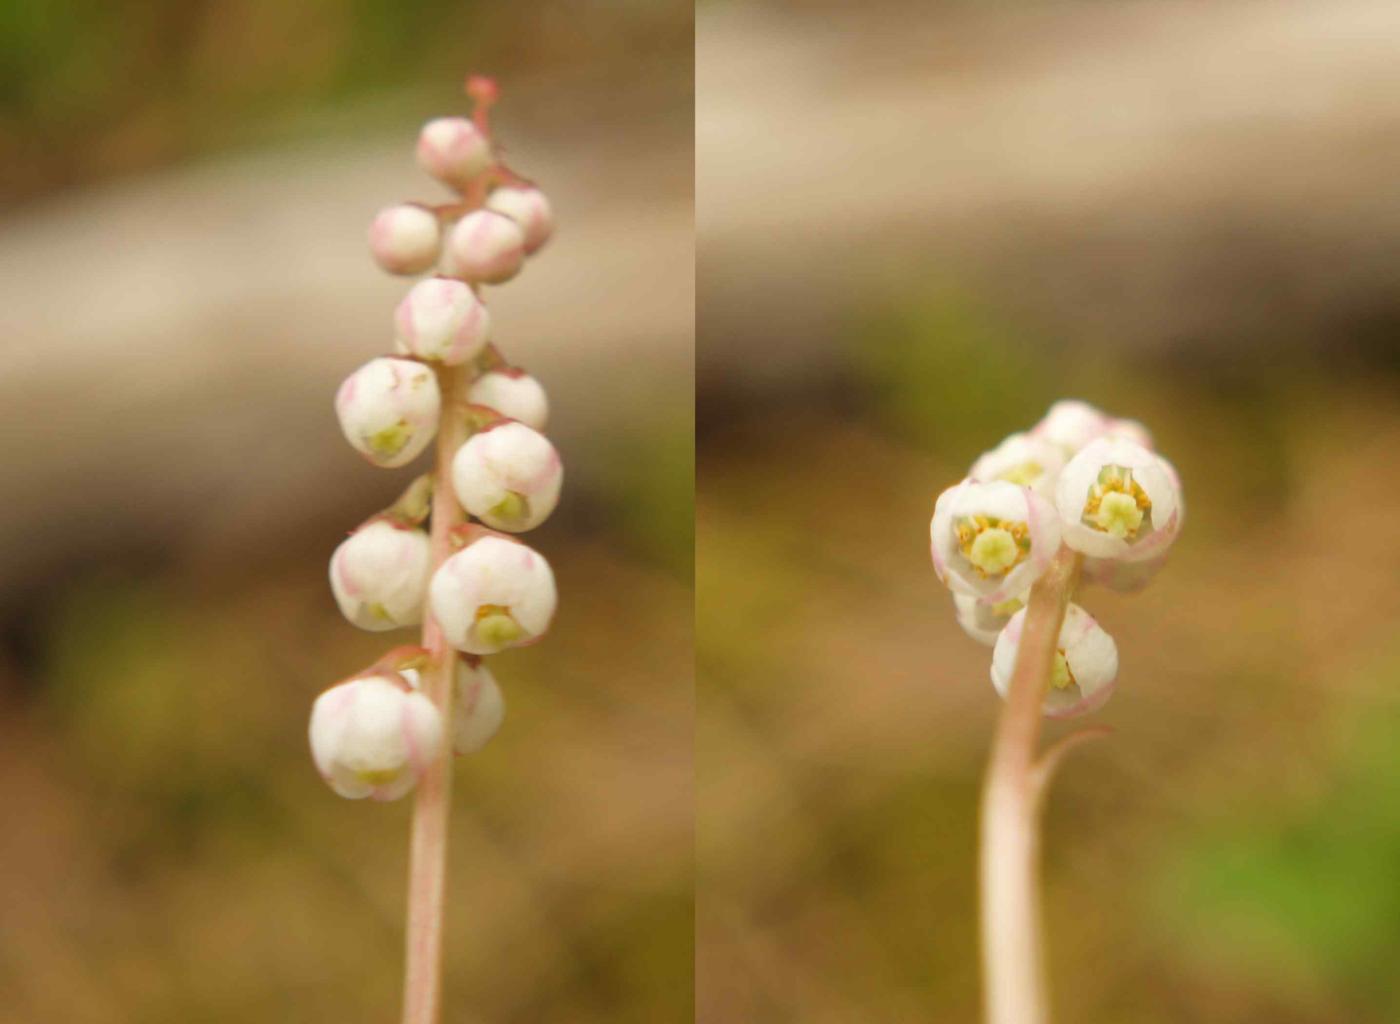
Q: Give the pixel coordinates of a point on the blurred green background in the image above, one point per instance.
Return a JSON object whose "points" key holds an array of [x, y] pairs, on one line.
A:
{"points": [[184, 193], [919, 226]]}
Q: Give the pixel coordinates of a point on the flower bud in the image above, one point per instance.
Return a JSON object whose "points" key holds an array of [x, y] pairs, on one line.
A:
{"points": [[1118, 500], [1070, 425], [405, 239], [983, 622], [379, 576], [493, 594], [992, 540], [1084, 670], [485, 247], [374, 737], [508, 476], [477, 706], [1129, 430], [528, 207], [441, 319], [512, 393], [1022, 459], [388, 410], [453, 150]]}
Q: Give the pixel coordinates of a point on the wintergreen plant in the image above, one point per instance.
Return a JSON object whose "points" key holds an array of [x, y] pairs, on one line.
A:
{"points": [[1081, 497], [443, 555]]}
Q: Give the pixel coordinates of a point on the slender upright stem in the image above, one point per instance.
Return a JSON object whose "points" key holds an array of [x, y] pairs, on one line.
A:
{"points": [[427, 876], [1012, 964]]}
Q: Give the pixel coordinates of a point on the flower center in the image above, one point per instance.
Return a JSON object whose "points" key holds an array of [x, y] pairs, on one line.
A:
{"points": [[1117, 504], [513, 508], [378, 776], [1061, 678], [389, 441], [992, 545], [1023, 475], [495, 625]]}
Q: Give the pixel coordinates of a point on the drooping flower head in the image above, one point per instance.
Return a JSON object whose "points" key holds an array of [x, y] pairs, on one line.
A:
{"points": [[493, 594], [379, 575], [374, 737], [1116, 499], [508, 476], [993, 540], [1023, 459], [388, 410], [512, 393], [1085, 666]]}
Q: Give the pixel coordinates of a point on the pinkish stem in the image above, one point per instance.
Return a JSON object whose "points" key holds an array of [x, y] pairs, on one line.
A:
{"points": [[1013, 970], [427, 877]]}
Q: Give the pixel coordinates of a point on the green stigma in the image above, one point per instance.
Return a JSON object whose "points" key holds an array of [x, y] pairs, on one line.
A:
{"points": [[513, 508], [1118, 514], [1061, 678], [390, 441], [496, 626], [378, 776], [994, 551]]}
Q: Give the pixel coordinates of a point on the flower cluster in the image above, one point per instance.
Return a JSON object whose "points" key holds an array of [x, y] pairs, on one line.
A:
{"points": [[1079, 478], [482, 589]]}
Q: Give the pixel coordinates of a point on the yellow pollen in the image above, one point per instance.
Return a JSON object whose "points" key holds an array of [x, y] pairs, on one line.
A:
{"points": [[991, 545], [1117, 504]]}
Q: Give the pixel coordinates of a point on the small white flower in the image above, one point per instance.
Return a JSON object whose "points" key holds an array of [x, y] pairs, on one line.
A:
{"points": [[529, 208], [512, 393], [1024, 459], [1129, 430], [1118, 500], [405, 239], [485, 248], [992, 540], [1071, 424], [1084, 670], [984, 622], [441, 319], [508, 476], [453, 150], [389, 409], [373, 737], [478, 708], [379, 576], [493, 594]]}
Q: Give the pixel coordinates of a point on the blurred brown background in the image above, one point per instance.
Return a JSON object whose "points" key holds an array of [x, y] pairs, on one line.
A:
{"points": [[184, 193], [919, 224]]}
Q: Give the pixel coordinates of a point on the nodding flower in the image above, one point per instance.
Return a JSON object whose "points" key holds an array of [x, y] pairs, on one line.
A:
{"points": [[992, 541], [1118, 500], [389, 410], [508, 476], [374, 737], [441, 319], [1085, 664], [493, 594]]}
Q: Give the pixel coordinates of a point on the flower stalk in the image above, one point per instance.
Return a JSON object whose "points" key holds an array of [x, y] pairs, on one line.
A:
{"points": [[1012, 957], [427, 874]]}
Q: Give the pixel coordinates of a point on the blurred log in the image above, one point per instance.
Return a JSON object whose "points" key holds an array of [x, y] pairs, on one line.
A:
{"points": [[1198, 176], [172, 344]]}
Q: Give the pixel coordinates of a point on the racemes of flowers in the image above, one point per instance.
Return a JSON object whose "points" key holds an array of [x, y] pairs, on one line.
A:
{"points": [[445, 556], [1079, 479], [1080, 497]]}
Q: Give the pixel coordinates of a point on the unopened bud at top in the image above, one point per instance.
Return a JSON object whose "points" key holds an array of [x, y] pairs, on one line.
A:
{"points": [[1070, 425], [508, 476], [485, 248], [512, 393], [379, 575], [388, 410], [493, 594], [1118, 500], [405, 239], [443, 320], [528, 207], [453, 150], [992, 540], [373, 737], [1023, 459], [1084, 669]]}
